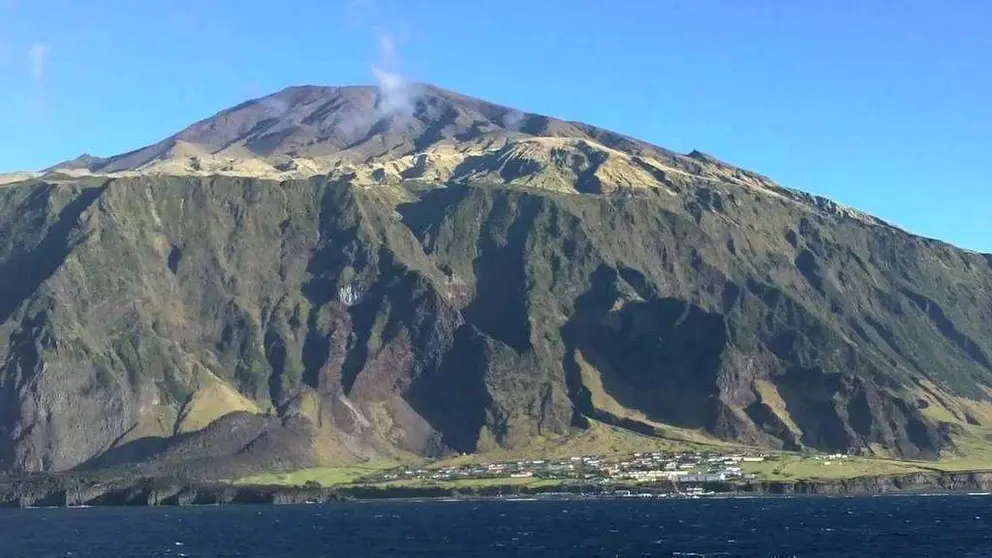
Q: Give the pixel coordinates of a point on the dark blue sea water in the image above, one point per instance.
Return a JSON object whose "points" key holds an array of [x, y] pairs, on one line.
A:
{"points": [[892, 526]]}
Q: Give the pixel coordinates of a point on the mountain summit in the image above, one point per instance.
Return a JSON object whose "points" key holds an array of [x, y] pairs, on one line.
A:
{"points": [[309, 130], [331, 274], [376, 135], [359, 124]]}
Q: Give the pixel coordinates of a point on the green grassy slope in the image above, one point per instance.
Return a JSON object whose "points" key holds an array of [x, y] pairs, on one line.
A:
{"points": [[395, 321]]}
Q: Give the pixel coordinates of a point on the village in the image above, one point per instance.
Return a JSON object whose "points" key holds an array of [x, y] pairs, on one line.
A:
{"points": [[684, 467]]}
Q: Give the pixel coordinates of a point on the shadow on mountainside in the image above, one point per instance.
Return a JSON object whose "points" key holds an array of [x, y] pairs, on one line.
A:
{"points": [[21, 274]]}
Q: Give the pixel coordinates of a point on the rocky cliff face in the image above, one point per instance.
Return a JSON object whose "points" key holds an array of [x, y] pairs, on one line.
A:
{"points": [[453, 276]]}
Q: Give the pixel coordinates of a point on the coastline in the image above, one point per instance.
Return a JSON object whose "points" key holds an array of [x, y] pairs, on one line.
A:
{"points": [[73, 490]]}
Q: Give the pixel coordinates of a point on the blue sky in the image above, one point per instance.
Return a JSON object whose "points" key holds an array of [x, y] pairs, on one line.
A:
{"points": [[882, 105]]}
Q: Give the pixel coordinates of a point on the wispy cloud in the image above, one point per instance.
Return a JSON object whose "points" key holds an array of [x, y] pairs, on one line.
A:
{"points": [[387, 46], [396, 95], [38, 56], [513, 119]]}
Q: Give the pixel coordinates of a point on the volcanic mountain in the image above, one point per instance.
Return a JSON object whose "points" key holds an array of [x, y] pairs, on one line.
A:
{"points": [[331, 274]]}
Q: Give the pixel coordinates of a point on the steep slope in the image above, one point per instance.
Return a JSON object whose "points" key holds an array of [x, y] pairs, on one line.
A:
{"points": [[459, 293]]}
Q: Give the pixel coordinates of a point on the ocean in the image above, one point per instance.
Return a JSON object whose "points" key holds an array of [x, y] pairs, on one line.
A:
{"points": [[884, 526]]}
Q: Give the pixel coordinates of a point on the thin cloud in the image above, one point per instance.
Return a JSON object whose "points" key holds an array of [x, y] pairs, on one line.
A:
{"points": [[38, 56], [396, 95], [387, 80], [513, 119], [387, 47]]}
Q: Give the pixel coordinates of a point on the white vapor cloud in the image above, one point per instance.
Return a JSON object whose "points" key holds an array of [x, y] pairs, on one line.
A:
{"points": [[387, 47], [38, 56], [274, 106], [513, 119], [396, 95]]}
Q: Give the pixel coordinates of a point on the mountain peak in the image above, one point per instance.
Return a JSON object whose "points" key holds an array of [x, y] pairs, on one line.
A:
{"points": [[310, 129], [354, 123], [388, 134]]}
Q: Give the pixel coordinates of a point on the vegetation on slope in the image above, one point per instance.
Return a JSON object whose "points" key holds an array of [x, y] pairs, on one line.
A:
{"points": [[517, 287]]}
